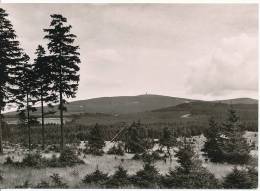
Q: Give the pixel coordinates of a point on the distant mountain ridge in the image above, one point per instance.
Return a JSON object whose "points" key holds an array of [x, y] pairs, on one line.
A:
{"points": [[132, 104], [238, 101]]}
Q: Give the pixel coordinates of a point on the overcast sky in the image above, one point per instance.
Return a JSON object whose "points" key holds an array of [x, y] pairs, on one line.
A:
{"points": [[193, 51]]}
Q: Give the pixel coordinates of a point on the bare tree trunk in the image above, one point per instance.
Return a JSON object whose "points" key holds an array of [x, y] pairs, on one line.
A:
{"points": [[61, 122], [61, 108], [43, 130], [1, 130], [28, 122]]}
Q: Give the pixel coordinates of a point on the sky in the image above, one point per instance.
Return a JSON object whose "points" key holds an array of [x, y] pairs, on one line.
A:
{"points": [[198, 51]]}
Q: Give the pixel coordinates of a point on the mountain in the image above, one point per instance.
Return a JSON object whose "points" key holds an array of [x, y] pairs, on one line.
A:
{"points": [[238, 101], [216, 109], [119, 105], [194, 113], [135, 104]]}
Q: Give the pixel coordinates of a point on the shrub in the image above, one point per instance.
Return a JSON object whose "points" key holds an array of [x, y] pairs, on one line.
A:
{"points": [[148, 177], [116, 150], [241, 179], [32, 160], [9, 161], [148, 157], [198, 179], [69, 158], [43, 184], [53, 162], [119, 179], [94, 151], [57, 181], [237, 157], [95, 142], [52, 148], [1, 176], [96, 177], [26, 184]]}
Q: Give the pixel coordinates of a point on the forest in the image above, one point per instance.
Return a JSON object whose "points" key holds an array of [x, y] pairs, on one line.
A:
{"points": [[217, 148]]}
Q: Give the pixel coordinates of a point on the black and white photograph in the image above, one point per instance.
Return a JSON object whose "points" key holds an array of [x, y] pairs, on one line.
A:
{"points": [[129, 95]]}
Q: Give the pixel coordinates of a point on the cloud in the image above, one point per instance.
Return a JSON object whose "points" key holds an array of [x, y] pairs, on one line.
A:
{"points": [[180, 50], [230, 68]]}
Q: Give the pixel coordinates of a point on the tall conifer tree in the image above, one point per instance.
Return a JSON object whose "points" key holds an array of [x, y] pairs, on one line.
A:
{"points": [[43, 86], [235, 147], [64, 60], [10, 59], [25, 94]]}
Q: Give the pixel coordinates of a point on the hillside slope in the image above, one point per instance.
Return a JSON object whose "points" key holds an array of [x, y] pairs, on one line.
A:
{"points": [[193, 113], [118, 105], [135, 104]]}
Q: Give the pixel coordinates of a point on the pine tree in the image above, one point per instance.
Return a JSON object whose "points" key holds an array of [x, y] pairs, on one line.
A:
{"points": [[190, 173], [235, 147], [212, 146], [167, 140], [64, 61], [43, 87], [25, 94], [95, 142], [134, 142], [240, 179], [148, 177], [186, 157], [10, 57], [119, 179]]}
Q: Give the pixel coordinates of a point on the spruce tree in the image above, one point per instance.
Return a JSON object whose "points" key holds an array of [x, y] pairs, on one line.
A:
{"points": [[64, 62], [133, 141], [43, 85], [95, 141], [186, 157], [213, 144], [148, 177], [235, 147], [25, 93], [190, 173], [241, 179], [119, 179], [10, 58], [167, 140]]}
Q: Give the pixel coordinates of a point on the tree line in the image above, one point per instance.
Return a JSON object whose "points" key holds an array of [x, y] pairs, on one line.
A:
{"points": [[52, 77]]}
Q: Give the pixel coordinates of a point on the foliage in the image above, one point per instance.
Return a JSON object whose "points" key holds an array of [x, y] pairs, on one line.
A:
{"points": [[1, 176], [32, 160], [116, 150], [57, 181], [148, 177], [148, 157], [226, 143], [119, 179], [43, 184], [64, 61], [43, 85], [241, 179], [11, 56], [196, 179], [134, 142], [9, 161], [212, 146], [167, 140], [26, 184], [95, 141], [69, 158], [186, 157], [235, 147], [96, 177], [190, 173]]}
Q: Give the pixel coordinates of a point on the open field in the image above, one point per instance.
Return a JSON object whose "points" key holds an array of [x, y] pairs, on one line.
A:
{"points": [[107, 163]]}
